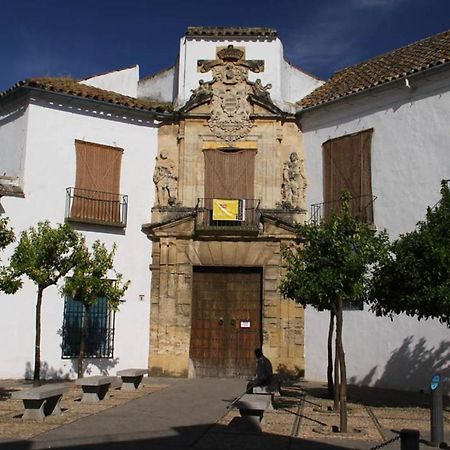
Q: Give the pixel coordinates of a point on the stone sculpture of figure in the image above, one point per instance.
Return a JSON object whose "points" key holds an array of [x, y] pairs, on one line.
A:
{"points": [[294, 179], [285, 189], [261, 91], [172, 188], [294, 183], [166, 182], [203, 89]]}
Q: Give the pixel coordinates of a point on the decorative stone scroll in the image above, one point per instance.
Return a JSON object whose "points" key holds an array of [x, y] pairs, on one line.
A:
{"points": [[166, 181], [294, 184]]}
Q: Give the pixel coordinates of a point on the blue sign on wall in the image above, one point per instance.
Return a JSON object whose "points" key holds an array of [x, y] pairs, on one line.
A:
{"points": [[435, 381]]}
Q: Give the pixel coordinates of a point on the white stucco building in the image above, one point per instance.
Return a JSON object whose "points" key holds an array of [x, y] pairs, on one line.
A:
{"points": [[401, 102], [44, 123], [102, 135]]}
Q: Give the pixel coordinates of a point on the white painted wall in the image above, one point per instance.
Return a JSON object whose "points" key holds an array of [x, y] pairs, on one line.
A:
{"points": [[123, 81], [13, 130], [296, 84], [276, 70], [410, 156], [49, 170], [159, 87]]}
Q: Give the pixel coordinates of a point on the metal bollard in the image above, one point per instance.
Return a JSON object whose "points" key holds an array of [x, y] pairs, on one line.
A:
{"points": [[437, 414], [409, 439]]}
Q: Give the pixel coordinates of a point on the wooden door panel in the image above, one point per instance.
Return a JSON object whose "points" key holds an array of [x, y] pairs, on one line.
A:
{"points": [[225, 301], [247, 309]]}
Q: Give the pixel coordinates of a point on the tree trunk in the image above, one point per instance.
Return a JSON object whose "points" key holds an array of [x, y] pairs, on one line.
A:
{"points": [[37, 342], [336, 376], [330, 356], [342, 368], [84, 330]]}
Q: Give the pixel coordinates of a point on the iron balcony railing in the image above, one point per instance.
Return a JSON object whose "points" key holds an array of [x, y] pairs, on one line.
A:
{"points": [[360, 207], [249, 219], [88, 206]]}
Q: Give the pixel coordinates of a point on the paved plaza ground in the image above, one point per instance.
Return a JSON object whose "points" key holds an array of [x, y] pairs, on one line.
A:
{"points": [[196, 414]]}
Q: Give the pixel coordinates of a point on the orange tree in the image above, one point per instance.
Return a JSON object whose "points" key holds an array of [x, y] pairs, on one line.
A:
{"points": [[6, 233], [89, 281], [44, 254], [332, 264], [415, 280], [6, 237]]}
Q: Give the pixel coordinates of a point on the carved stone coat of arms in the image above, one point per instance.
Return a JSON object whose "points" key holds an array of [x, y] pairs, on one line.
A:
{"points": [[229, 91]]}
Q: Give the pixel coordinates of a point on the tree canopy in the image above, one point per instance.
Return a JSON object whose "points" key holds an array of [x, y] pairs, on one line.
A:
{"points": [[6, 233], [7, 237], [415, 279], [44, 254], [335, 258], [91, 277]]}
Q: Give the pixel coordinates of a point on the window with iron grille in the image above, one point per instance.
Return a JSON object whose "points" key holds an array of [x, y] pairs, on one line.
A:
{"points": [[100, 334]]}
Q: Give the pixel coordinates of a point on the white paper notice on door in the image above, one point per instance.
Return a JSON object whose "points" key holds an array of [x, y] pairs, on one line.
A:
{"points": [[245, 323]]}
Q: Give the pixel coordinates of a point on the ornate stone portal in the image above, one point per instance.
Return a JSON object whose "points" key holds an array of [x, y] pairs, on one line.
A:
{"points": [[231, 115]]}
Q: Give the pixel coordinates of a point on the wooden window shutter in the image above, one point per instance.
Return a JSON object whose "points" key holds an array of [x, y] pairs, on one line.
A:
{"points": [[97, 182], [229, 174], [347, 166]]}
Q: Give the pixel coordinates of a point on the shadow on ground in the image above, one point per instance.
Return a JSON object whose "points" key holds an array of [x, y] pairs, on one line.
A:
{"points": [[410, 365], [219, 437], [378, 397]]}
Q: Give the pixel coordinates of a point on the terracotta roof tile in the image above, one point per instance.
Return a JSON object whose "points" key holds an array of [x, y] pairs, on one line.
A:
{"points": [[72, 87], [400, 63]]}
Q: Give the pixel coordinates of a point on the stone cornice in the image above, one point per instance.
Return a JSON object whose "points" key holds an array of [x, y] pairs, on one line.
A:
{"points": [[249, 32]]}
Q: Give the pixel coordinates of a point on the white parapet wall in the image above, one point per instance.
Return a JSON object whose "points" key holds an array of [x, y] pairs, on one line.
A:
{"points": [[13, 137], [159, 87], [122, 81]]}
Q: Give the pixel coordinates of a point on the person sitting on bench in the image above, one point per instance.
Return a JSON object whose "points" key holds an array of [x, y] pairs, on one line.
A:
{"points": [[264, 372]]}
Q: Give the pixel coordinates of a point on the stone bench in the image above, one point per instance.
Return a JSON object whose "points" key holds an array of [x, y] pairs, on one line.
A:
{"points": [[96, 388], [131, 378], [273, 388], [41, 401], [252, 407]]}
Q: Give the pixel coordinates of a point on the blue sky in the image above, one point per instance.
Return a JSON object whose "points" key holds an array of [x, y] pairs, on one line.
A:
{"points": [[82, 38]]}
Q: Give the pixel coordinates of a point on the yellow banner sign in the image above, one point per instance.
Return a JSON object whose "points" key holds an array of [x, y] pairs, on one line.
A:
{"points": [[227, 209]]}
